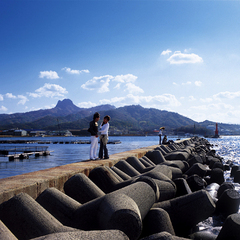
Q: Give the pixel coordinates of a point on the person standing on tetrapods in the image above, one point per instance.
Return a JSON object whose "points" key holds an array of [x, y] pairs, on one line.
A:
{"points": [[104, 138], [93, 129], [160, 135]]}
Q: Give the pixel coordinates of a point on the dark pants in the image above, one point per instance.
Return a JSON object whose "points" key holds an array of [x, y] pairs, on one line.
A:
{"points": [[103, 147], [160, 139]]}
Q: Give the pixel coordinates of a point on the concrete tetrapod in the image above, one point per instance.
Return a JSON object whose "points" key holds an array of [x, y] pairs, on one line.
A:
{"points": [[106, 181], [188, 210], [86, 235], [180, 155], [182, 187], [127, 168], [162, 176], [104, 178], [198, 169], [123, 209], [203, 235], [136, 163], [146, 162], [217, 176], [27, 219], [155, 156], [228, 203], [224, 186], [231, 228], [196, 183], [5, 233], [163, 236], [82, 189], [156, 221], [120, 173], [60, 205], [182, 165]]}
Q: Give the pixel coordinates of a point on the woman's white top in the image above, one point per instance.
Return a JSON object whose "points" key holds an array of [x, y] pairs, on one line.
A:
{"points": [[104, 128]]}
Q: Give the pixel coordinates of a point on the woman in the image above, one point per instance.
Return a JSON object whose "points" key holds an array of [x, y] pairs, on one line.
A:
{"points": [[104, 138]]}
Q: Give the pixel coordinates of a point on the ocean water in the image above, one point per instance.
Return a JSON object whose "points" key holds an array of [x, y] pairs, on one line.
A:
{"points": [[228, 147]]}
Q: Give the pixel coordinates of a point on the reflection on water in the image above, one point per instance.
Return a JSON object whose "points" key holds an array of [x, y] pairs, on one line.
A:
{"points": [[67, 153], [228, 147]]}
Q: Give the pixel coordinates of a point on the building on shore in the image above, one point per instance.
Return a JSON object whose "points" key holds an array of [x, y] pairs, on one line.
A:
{"points": [[14, 132]]}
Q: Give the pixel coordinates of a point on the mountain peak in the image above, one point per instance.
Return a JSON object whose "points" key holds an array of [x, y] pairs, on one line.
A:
{"points": [[66, 106], [64, 103]]}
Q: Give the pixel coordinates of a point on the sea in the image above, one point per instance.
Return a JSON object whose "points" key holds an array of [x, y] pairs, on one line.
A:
{"points": [[64, 153], [227, 147]]}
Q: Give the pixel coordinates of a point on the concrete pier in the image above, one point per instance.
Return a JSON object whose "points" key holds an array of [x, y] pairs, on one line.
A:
{"points": [[35, 183]]}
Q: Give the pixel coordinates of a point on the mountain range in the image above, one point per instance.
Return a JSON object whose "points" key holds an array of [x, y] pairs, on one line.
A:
{"points": [[66, 115]]}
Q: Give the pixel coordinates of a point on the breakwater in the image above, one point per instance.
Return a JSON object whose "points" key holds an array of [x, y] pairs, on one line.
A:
{"points": [[158, 192]]}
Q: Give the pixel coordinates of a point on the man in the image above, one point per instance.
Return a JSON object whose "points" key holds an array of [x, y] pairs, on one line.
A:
{"points": [[160, 135], [104, 138], [93, 129]]}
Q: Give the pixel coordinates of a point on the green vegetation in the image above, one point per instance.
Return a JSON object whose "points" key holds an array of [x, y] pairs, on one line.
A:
{"points": [[124, 120]]}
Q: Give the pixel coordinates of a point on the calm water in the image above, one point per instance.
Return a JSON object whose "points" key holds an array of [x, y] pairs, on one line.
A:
{"points": [[227, 146], [66, 153]]}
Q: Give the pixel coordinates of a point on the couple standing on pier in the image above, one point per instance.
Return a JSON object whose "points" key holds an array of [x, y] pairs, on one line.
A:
{"points": [[93, 129]]}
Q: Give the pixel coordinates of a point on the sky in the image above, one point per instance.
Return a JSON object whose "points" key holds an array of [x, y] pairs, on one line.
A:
{"points": [[180, 56]]}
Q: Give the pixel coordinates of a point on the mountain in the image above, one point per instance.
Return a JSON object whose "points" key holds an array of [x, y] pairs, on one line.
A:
{"points": [[66, 115], [45, 117], [132, 118], [65, 107]]}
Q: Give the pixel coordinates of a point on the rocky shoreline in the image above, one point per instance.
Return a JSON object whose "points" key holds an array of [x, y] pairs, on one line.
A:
{"points": [[164, 195]]}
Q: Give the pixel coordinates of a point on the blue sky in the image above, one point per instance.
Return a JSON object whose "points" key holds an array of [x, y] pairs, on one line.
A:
{"points": [[179, 56]]}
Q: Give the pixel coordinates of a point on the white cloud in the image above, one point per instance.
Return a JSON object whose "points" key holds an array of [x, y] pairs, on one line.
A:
{"points": [[10, 95], [101, 84], [118, 86], [158, 101], [192, 98], [50, 106], [4, 109], [1, 97], [166, 52], [125, 78], [128, 80], [71, 71], [181, 58], [187, 83], [48, 74], [198, 83], [207, 100], [132, 88], [227, 94], [98, 83], [49, 90], [214, 106], [112, 100], [86, 104], [23, 99]]}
